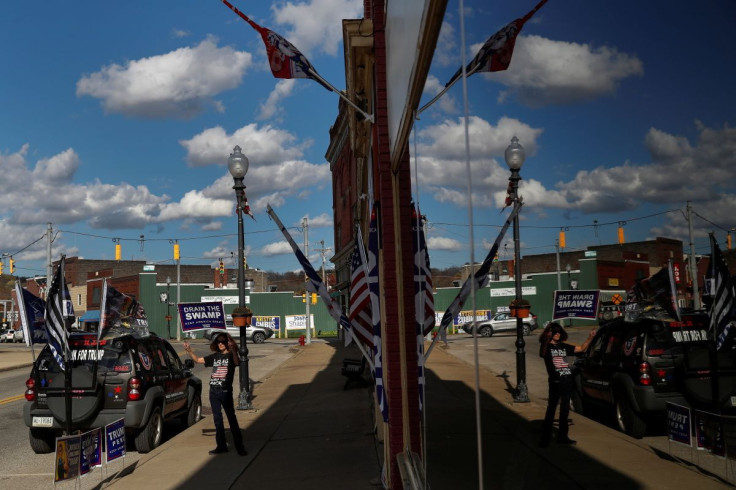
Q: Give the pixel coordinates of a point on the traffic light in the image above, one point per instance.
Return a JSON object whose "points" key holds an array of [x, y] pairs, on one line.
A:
{"points": [[12, 266], [728, 240], [221, 268], [314, 298], [118, 252], [1, 268], [562, 238], [304, 295], [621, 235], [176, 251]]}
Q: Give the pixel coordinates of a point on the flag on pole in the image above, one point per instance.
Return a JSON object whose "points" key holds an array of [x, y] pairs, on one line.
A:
{"points": [[55, 321], [423, 296], [654, 297], [120, 314], [365, 313], [724, 297], [496, 52], [314, 282], [31, 309], [472, 283], [285, 60], [361, 303]]}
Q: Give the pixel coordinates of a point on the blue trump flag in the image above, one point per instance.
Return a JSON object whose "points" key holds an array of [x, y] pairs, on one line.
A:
{"points": [[32, 310]]}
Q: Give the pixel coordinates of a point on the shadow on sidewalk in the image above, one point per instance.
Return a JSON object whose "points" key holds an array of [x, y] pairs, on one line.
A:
{"points": [[511, 458], [314, 435]]}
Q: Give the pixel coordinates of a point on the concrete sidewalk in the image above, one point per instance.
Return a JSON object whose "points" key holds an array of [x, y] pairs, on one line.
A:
{"points": [[307, 432]]}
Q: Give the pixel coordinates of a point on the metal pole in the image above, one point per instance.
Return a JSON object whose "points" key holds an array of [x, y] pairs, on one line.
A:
{"points": [[168, 307], [178, 298], [244, 397], [693, 264], [49, 266], [522, 394], [559, 281], [307, 295]]}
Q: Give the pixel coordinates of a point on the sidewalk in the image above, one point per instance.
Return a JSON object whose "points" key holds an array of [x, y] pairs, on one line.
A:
{"points": [[307, 432]]}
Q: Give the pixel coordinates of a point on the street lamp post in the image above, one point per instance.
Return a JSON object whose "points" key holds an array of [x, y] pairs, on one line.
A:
{"points": [[238, 163], [168, 305], [514, 156]]}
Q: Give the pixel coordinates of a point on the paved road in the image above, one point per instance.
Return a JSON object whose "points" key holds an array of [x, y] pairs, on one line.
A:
{"points": [[22, 469]]}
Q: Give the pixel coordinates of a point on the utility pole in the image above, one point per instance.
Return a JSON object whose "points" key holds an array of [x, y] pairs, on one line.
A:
{"points": [[324, 251], [49, 267], [307, 296], [693, 264]]}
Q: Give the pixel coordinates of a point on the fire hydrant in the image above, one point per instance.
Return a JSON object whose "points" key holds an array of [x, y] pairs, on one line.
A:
{"points": [[301, 340]]}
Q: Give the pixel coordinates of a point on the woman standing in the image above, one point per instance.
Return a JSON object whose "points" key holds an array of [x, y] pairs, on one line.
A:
{"points": [[554, 350], [222, 361]]}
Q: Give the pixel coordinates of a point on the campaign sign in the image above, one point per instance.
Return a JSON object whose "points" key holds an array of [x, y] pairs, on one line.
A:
{"points": [[678, 423], [298, 322], [67, 458], [91, 451], [115, 440], [576, 304], [709, 433], [200, 316], [272, 322], [467, 316]]}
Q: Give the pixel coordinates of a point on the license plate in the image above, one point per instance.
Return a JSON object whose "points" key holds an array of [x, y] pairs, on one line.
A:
{"points": [[43, 421]]}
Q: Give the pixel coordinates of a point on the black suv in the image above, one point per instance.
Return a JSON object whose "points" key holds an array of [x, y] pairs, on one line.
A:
{"points": [[140, 379], [632, 368]]}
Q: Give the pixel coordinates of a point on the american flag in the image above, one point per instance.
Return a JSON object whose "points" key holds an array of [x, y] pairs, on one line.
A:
{"points": [[722, 309], [55, 324], [472, 283], [285, 60], [496, 52], [219, 373], [361, 314]]}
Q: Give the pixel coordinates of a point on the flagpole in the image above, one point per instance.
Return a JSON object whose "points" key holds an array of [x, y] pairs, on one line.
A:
{"points": [[327, 84], [328, 300], [442, 92]]}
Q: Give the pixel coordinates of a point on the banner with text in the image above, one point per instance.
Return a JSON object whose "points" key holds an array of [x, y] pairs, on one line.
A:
{"points": [[67, 458], [199, 316], [115, 440], [272, 322], [576, 304], [679, 424], [298, 322]]}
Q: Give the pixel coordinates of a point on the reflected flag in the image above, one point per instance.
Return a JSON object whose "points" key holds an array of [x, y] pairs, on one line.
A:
{"points": [[496, 52], [121, 314], [423, 296], [724, 297]]}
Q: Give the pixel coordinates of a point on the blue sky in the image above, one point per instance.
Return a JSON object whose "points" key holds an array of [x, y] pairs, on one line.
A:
{"points": [[117, 118]]}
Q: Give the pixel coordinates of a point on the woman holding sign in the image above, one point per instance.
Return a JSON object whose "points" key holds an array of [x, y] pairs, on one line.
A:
{"points": [[554, 351], [222, 361]]}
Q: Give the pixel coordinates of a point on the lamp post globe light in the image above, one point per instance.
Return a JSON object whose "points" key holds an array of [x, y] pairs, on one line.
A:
{"points": [[514, 157], [238, 163]]}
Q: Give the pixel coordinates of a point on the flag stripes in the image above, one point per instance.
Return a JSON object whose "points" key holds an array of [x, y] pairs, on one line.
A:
{"points": [[722, 309], [55, 325]]}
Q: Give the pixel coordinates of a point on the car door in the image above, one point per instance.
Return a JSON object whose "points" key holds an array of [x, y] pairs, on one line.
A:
{"points": [[593, 381], [176, 390], [502, 321]]}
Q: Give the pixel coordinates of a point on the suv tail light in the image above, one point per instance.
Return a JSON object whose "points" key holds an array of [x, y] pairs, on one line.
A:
{"points": [[30, 389], [134, 389], [645, 376]]}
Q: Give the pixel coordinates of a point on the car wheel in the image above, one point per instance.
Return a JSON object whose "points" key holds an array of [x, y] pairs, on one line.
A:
{"points": [[485, 331], [576, 402], [259, 338], [150, 436], [195, 411], [526, 329], [627, 420], [42, 441]]}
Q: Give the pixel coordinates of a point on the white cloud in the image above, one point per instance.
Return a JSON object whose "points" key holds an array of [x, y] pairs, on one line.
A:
{"points": [[444, 243], [545, 72], [316, 25], [276, 248], [264, 146], [271, 107], [178, 84], [321, 221]]}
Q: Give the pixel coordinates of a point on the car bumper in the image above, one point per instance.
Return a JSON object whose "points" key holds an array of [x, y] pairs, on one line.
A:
{"points": [[134, 415], [649, 402]]}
